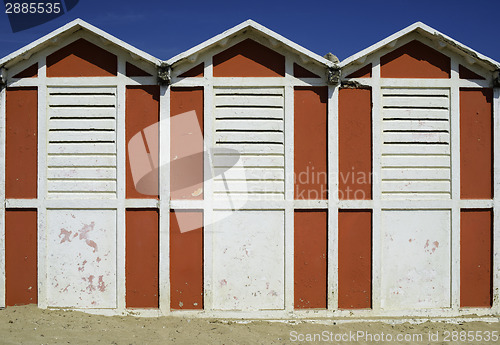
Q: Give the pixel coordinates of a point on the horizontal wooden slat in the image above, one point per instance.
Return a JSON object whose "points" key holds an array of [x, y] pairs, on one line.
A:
{"points": [[81, 161], [416, 161], [250, 173], [248, 196], [415, 149], [254, 148], [416, 186], [82, 90], [250, 161], [427, 102], [82, 100], [416, 91], [80, 196], [244, 137], [81, 136], [95, 148], [97, 186], [246, 124], [416, 195], [415, 125], [249, 90], [88, 123], [275, 113], [415, 174], [250, 101], [81, 173], [249, 186], [82, 112], [419, 137], [416, 114]]}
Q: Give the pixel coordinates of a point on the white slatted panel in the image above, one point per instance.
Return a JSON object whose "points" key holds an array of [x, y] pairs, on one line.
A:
{"points": [[416, 161], [81, 160], [251, 121]]}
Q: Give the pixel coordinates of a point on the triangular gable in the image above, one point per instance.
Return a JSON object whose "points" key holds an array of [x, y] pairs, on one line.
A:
{"points": [[279, 42], [444, 42], [66, 31]]}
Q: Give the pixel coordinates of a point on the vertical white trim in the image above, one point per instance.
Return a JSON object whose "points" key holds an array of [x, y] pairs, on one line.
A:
{"points": [[3, 110], [496, 198], [455, 184], [120, 186], [164, 221], [289, 188], [42, 184], [376, 187], [333, 196], [208, 136]]}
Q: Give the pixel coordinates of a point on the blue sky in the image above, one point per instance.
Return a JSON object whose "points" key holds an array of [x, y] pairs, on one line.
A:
{"points": [[166, 28]]}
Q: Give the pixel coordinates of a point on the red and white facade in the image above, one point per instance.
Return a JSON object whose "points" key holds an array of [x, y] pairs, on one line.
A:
{"points": [[371, 184]]}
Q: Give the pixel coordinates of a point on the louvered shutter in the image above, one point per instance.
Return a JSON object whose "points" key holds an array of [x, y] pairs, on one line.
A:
{"points": [[81, 161], [416, 143], [251, 121]]}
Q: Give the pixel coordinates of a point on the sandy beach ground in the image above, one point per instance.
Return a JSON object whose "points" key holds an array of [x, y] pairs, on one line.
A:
{"points": [[30, 325]]}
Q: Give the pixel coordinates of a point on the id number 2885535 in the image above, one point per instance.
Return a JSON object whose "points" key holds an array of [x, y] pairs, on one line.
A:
{"points": [[32, 8]]}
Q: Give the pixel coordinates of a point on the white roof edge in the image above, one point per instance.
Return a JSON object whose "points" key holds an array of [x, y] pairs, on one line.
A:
{"points": [[250, 24], [82, 24], [433, 32]]}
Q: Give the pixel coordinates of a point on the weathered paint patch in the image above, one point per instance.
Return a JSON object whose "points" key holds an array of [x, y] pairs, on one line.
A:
{"points": [[476, 232], [310, 143], [141, 258], [355, 144], [81, 255], [142, 109], [186, 263], [134, 71], [355, 259], [249, 59], [195, 72], [310, 258], [183, 100], [301, 72], [248, 260], [20, 257], [363, 72], [81, 59], [21, 143], [465, 73], [415, 60], [416, 270], [476, 144], [30, 72]]}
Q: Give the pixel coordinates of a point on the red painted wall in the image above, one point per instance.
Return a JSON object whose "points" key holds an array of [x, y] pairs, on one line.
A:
{"points": [[476, 258], [355, 262], [21, 257], [186, 264], [415, 60], [183, 100], [311, 143], [142, 109], [476, 145], [310, 259], [21, 143], [249, 59], [141, 258], [82, 59], [355, 144]]}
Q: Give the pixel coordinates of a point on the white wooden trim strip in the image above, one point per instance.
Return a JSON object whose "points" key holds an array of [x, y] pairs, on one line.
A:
{"points": [[3, 117], [455, 185], [120, 186], [496, 197], [333, 211], [164, 203]]}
